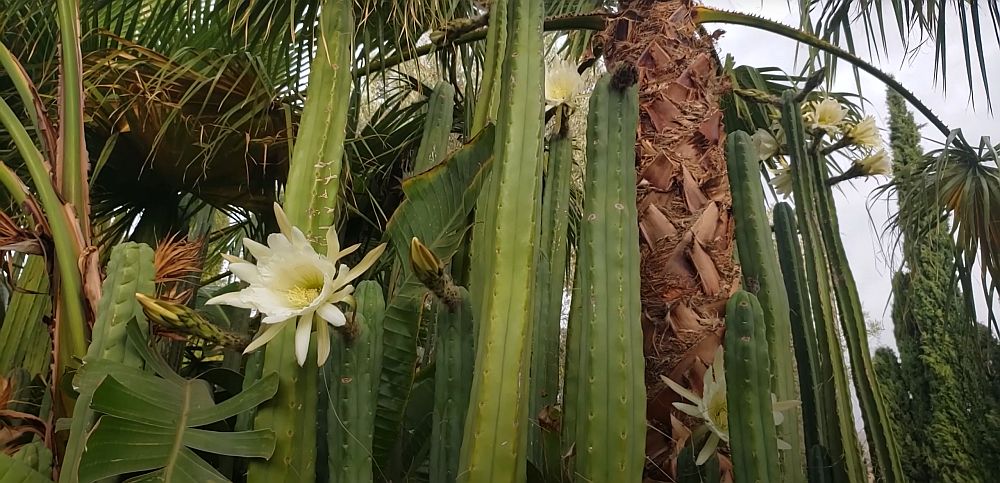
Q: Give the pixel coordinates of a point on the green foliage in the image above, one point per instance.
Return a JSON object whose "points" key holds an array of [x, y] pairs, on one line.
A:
{"points": [[931, 395], [435, 210], [762, 274], [605, 392], [24, 342], [454, 357], [15, 470], [350, 384], [807, 355], [752, 436], [840, 438], [550, 284], [495, 440]]}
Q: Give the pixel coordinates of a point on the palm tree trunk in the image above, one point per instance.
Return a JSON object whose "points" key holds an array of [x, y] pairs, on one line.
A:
{"points": [[688, 270]]}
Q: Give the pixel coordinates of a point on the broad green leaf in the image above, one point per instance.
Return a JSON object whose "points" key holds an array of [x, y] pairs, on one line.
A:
{"points": [[437, 205], [14, 471]]}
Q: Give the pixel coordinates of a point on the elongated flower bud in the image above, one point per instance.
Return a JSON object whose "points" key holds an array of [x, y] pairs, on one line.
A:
{"points": [[430, 271]]}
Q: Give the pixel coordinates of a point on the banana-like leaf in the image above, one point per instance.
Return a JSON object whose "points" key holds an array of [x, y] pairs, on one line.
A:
{"points": [[437, 204], [152, 423], [14, 471]]}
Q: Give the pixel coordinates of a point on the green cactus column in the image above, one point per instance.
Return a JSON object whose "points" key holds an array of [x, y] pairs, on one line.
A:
{"points": [[130, 272], [605, 389], [803, 331], [495, 443], [841, 438], [310, 203], [762, 275], [351, 381], [752, 437], [550, 283], [453, 361]]}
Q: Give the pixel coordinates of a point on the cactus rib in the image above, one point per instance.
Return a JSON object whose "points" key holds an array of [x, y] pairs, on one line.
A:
{"points": [[453, 360]]}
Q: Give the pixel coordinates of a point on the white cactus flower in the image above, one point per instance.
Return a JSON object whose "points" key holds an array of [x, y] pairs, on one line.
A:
{"points": [[875, 164], [765, 143], [562, 84], [865, 133], [713, 409], [827, 115], [292, 284], [782, 181]]}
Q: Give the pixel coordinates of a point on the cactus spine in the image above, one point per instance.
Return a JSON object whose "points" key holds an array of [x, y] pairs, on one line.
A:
{"points": [[608, 393], [550, 281], [803, 331], [351, 381], [130, 272], [844, 450], [761, 273], [310, 202], [752, 436], [495, 440], [453, 359]]}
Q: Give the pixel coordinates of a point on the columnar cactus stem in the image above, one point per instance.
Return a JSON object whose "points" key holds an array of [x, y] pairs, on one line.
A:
{"points": [[453, 360], [351, 380], [437, 127], [752, 436], [310, 202], [844, 450], [130, 272], [550, 283], [495, 442], [803, 330], [607, 395], [761, 273]]}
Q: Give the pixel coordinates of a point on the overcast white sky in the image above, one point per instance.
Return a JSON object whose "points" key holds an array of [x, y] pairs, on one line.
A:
{"points": [[859, 226]]}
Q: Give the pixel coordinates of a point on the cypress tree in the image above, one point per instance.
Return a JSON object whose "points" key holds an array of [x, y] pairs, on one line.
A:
{"points": [[930, 320]]}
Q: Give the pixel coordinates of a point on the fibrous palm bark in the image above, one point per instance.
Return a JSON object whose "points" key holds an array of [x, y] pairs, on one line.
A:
{"points": [[683, 198]]}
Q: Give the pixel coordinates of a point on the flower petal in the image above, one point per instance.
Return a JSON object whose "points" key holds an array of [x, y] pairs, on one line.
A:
{"points": [[689, 409], [234, 299], [302, 333], [332, 314], [246, 272], [269, 333], [366, 262], [680, 390], [347, 251], [283, 224], [258, 250], [322, 344], [276, 318], [708, 449], [332, 244]]}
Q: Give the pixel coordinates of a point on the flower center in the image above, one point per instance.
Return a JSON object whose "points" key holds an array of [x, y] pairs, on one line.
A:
{"points": [[718, 412], [301, 297]]}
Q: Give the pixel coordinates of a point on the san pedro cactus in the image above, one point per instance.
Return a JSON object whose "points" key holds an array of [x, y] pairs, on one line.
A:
{"points": [[605, 389], [752, 436], [453, 360], [351, 382], [762, 275], [840, 436], [495, 441], [437, 127], [803, 331], [310, 201], [550, 283], [130, 272]]}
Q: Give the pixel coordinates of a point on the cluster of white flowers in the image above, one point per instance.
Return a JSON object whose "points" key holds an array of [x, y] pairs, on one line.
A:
{"points": [[292, 284]]}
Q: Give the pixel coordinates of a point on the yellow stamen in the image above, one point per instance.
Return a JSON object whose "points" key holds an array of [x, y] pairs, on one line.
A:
{"points": [[301, 296]]}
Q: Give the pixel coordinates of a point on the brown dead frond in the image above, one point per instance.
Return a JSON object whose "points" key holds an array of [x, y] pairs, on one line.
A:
{"points": [[16, 428], [178, 263]]}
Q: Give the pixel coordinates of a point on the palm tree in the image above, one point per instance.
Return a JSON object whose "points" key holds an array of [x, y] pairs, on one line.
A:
{"points": [[198, 101]]}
